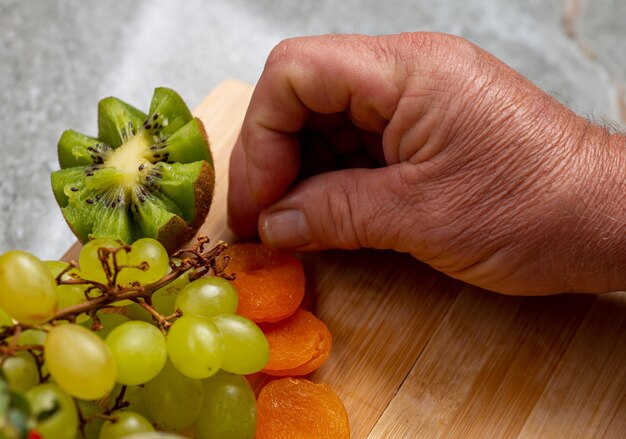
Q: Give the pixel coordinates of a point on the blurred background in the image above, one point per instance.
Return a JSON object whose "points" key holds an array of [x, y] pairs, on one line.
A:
{"points": [[58, 58]]}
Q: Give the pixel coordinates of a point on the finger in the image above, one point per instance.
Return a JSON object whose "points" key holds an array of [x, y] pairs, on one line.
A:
{"points": [[320, 74], [344, 209], [243, 212]]}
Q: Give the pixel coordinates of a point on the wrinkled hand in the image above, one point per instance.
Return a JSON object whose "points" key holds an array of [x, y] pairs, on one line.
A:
{"points": [[424, 143]]}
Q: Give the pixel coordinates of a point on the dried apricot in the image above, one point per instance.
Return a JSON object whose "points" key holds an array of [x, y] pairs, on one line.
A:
{"points": [[269, 282], [299, 344], [292, 408]]}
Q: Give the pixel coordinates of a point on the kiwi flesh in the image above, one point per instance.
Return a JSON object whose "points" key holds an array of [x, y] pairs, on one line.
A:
{"points": [[145, 175]]}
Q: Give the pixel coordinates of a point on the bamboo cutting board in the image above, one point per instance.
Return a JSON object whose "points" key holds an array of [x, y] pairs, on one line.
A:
{"points": [[419, 355]]}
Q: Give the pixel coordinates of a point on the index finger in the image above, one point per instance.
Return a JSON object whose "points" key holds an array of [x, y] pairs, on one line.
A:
{"points": [[326, 74]]}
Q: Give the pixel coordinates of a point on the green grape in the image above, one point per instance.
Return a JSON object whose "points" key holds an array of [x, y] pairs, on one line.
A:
{"points": [[136, 402], [137, 312], [246, 349], [154, 254], [155, 435], [35, 337], [87, 410], [90, 263], [5, 319], [54, 410], [133, 397], [21, 371], [123, 303], [68, 295], [26, 288], [109, 322], [228, 410], [163, 302], [32, 337], [208, 296], [139, 350], [80, 362], [55, 267], [172, 399], [195, 347], [164, 298], [127, 423]]}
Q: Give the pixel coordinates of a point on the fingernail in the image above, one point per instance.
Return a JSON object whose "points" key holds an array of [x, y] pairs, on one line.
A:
{"points": [[287, 229]]}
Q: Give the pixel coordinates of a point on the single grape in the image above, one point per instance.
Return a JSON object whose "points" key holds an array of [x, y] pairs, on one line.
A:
{"points": [[68, 295], [139, 350], [208, 296], [195, 347], [26, 288], [80, 362], [155, 435], [163, 302], [90, 263], [228, 410], [153, 253], [127, 423], [32, 337], [54, 411], [164, 298], [21, 371], [109, 321], [246, 349], [55, 267], [5, 319], [137, 312], [88, 411], [173, 400], [136, 403]]}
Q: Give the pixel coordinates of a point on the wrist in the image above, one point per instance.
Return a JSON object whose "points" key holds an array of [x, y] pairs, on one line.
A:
{"points": [[599, 263]]}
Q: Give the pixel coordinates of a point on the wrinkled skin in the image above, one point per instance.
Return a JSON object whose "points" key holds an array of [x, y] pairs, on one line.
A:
{"points": [[477, 172]]}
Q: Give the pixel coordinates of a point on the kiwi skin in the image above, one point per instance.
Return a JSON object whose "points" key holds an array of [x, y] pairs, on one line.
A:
{"points": [[177, 232], [110, 204]]}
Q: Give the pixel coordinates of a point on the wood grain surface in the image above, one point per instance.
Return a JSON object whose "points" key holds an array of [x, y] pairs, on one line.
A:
{"points": [[419, 355]]}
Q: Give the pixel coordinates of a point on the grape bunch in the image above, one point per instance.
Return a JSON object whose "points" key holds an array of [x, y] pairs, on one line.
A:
{"points": [[127, 341]]}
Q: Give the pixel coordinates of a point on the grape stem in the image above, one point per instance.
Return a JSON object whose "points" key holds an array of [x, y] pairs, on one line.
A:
{"points": [[111, 418], [204, 261], [197, 257], [119, 402], [163, 321]]}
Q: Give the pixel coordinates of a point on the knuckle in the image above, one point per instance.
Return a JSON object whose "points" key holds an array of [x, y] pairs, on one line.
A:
{"points": [[422, 42], [283, 53], [343, 223]]}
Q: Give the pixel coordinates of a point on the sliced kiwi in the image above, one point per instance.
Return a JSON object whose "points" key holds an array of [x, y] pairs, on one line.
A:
{"points": [[145, 175]]}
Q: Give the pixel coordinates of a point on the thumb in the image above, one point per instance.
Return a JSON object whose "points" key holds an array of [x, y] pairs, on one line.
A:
{"points": [[344, 209]]}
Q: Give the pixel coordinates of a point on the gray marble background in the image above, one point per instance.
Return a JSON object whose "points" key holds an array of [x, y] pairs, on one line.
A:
{"points": [[58, 58]]}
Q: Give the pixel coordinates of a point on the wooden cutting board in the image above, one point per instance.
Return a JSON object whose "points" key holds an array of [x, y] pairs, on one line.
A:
{"points": [[416, 354]]}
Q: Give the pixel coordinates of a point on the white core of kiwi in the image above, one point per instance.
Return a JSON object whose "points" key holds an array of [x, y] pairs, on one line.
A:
{"points": [[130, 157]]}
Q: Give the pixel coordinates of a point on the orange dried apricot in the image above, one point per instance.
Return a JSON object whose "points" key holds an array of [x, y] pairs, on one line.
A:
{"points": [[269, 282], [291, 408], [312, 365], [299, 344]]}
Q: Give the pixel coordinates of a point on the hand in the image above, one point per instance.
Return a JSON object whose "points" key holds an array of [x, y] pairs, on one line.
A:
{"points": [[461, 162]]}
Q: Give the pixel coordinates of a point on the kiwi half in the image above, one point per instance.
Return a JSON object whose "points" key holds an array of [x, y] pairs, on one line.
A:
{"points": [[145, 175]]}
